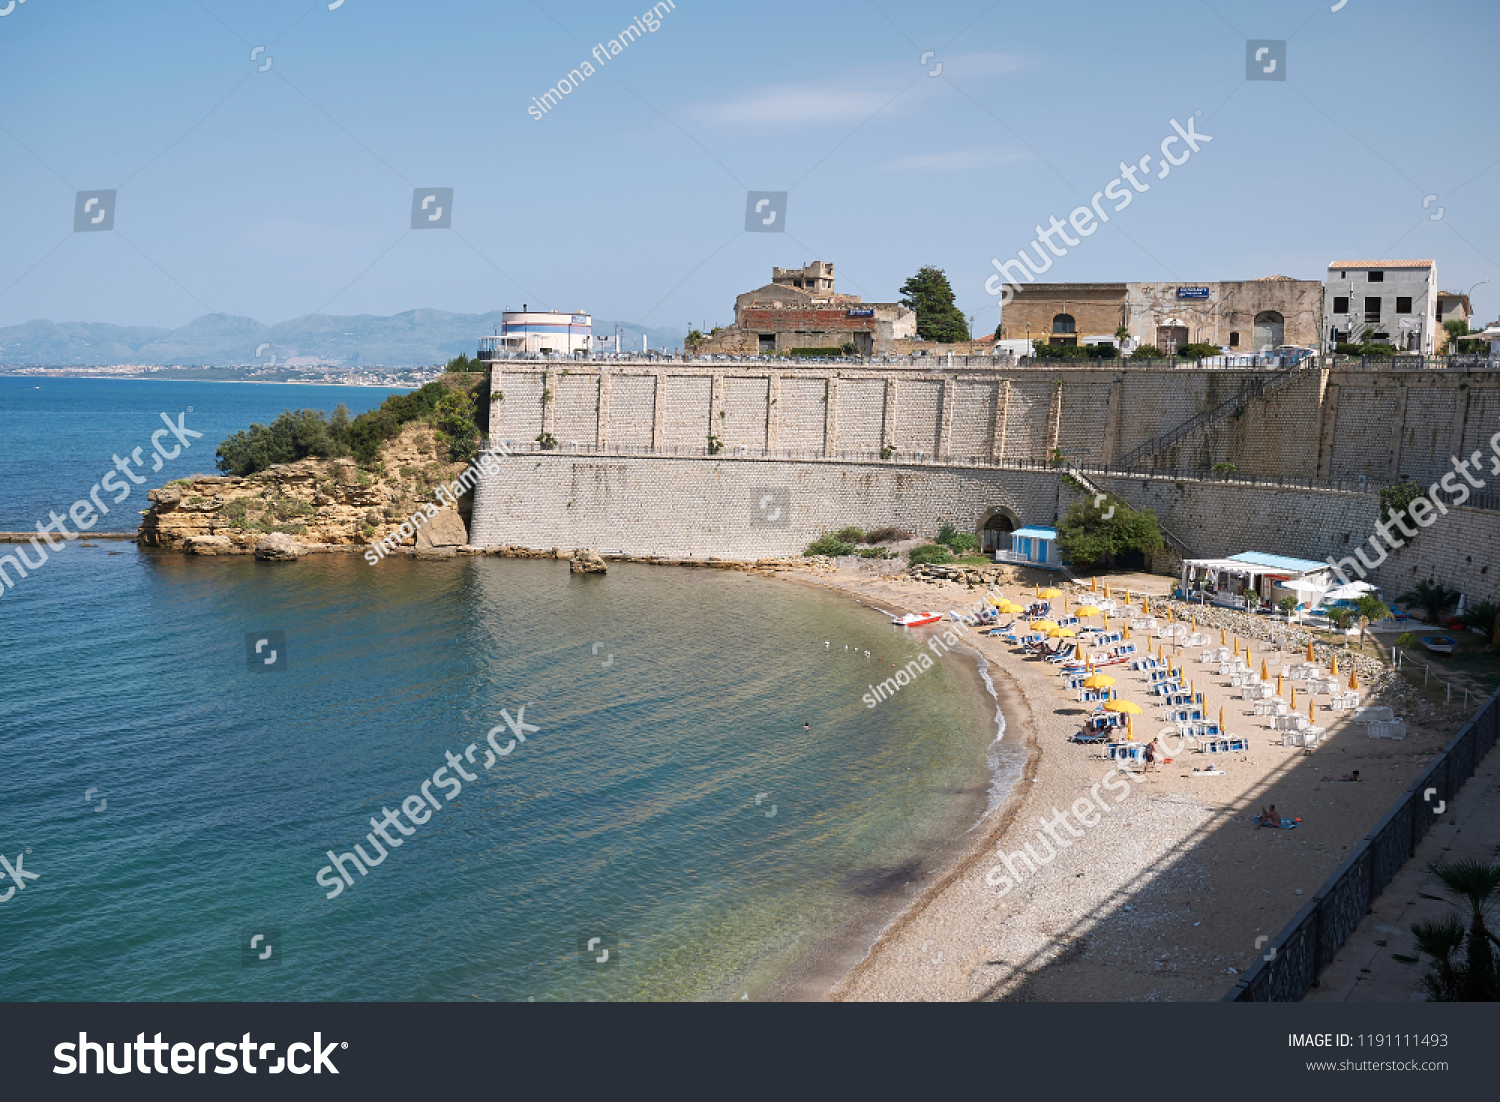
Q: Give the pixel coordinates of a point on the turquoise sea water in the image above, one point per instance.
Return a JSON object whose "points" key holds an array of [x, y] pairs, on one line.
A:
{"points": [[669, 802]]}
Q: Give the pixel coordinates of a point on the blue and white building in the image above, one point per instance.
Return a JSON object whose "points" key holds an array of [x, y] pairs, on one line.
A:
{"points": [[545, 332], [1033, 545]]}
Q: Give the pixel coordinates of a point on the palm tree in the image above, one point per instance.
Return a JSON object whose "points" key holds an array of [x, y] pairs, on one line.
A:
{"points": [[1472, 886], [1486, 617], [1432, 598]]}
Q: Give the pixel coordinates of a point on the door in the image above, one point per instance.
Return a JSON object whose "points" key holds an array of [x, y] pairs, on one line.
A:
{"points": [[1270, 330], [1171, 337]]}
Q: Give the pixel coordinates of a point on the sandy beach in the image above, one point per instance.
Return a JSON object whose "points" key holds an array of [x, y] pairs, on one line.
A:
{"points": [[1171, 892]]}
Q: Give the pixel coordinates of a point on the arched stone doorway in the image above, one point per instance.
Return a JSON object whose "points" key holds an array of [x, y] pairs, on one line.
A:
{"points": [[994, 534], [1270, 330]]}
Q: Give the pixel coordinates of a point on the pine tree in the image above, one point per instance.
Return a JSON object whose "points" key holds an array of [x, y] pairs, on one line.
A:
{"points": [[938, 317]]}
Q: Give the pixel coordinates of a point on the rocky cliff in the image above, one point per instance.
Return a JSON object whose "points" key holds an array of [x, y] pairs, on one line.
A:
{"points": [[325, 504]]}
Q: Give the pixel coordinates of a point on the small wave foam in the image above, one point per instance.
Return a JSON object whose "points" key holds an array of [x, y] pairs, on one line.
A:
{"points": [[1005, 764]]}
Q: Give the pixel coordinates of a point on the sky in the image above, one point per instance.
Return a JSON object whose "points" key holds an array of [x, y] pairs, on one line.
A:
{"points": [[265, 154]]}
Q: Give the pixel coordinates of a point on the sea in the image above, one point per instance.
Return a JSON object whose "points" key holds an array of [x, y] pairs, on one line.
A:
{"points": [[655, 784]]}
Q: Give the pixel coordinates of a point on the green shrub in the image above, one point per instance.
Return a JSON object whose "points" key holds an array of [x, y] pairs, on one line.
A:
{"points": [[1148, 352], [876, 553], [955, 540], [930, 554], [1198, 351], [851, 535], [887, 535], [828, 544], [816, 352]]}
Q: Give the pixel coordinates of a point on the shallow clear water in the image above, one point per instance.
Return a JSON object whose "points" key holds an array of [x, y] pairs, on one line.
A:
{"points": [[665, 701]]}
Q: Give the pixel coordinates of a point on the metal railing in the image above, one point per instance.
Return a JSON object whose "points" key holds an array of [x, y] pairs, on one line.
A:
{"points": [[1256, 388], [1297, 955]]}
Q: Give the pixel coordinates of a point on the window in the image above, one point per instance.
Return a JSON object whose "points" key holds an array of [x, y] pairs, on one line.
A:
{"points": [[1340, 304], [1375, 277], [1372, 308], [1440, 310], [1403, 305], [1063, 323], [1343, 275], [1234, 340]]}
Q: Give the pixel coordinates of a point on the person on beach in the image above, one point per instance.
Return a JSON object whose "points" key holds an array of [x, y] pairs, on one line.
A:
{"points": [[1268, 817], [1150, 755], [1347, 778]]}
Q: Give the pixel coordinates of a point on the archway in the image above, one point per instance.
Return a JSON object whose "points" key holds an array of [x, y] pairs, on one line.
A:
{"points": [[994, 534], [1270, 330]]}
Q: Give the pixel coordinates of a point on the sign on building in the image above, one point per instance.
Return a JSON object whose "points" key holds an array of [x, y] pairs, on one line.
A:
{"points": [[1192, 292]]}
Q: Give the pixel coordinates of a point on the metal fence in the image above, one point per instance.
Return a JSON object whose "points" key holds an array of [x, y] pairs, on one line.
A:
{"points": [[1297, 955]]}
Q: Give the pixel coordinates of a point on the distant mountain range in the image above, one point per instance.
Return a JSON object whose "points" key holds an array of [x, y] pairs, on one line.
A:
{"points": [[413, 339]]}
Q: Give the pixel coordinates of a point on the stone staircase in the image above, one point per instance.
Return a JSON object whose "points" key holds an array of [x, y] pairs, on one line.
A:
{"points": [[1256, 390]]}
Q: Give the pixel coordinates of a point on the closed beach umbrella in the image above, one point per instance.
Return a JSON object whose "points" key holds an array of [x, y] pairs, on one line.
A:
{"points": [[1195, 621], [1129, 729], [1106, 591], [1223, 637], [1098, 681], [1311, 656], [1145, 605], [1192, 691], [1094, 585], [1171, 615], [1353, 678], [1126, 630], [1278, 684], [1265, 674], [1294, 698], [1222, 728], [1236, 646], [1311, 718], [1333, 667]]}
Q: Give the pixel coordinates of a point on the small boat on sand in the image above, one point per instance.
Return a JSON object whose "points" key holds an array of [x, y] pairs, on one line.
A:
{"points": [[1439, 644], [917, 619]]}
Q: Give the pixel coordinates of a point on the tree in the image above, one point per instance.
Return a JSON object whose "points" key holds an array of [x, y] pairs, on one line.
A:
{"points": [[1149, 352], [1197, 351], [1122, 334], [1484, 617], [1341, 617], [1000, 331], [695, 339], [938, 317], [1089, 534], [1288, 605], [462, 363], [1471, 885], [1456, 328], [1369, 609], [1432, 598]]}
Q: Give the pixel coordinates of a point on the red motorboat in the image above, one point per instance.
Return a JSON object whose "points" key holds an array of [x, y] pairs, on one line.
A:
{"points": [[917, 619]]}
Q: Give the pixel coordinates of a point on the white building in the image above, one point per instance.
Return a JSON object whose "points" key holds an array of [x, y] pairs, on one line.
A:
{"points": [[1394, 301], [541, 331]]}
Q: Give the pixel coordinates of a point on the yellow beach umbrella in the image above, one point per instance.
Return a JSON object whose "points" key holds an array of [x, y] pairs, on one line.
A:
{"points": [[1195, 621], [1061, 633], [1050, 594], [1086, 610], [1129, 729], [1333, 667], [1236, 646], [1192, 691], [1145, 605], [1039, 591], [1278, 684], [1222, 728], [1311, 717], [1294, 697], [1265, 674], [1042, 625], [1106, 591], [1094, 585], [1171, 615], [1129, 707], [1098, 681], [1126, 631], [1311, 656], [1353, 678]]}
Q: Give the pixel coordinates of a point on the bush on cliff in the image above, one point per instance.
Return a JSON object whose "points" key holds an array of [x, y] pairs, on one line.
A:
{"points": [[1088, 534], [308, 432]]}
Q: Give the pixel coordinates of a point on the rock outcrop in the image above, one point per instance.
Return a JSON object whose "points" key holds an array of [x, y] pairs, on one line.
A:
{"points": [[279, 547], [587, 562], [318, 504]]}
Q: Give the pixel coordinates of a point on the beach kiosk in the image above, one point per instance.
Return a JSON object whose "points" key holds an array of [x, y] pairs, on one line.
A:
{"points": [[1032, 545], [1227, 582]]}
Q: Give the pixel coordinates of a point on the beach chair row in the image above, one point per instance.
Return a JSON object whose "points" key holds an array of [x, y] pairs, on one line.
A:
{"points": [[1173, 699], [1227, 745]]}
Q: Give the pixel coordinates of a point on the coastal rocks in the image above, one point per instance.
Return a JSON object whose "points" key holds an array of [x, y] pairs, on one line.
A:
{"points": [[445, 530], [208, 545], [279, 547], [963, 575], [587, 562]]}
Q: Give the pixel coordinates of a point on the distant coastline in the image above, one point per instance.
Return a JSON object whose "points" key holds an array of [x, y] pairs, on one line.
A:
{"points": [[178, 379]]}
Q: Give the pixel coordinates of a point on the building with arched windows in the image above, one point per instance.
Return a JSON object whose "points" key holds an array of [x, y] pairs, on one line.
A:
{"points": [[1251, 315]]}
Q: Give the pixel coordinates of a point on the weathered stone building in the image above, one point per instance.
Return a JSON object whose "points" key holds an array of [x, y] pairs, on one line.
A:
{"points": [[801, 308], [1241, 315]]}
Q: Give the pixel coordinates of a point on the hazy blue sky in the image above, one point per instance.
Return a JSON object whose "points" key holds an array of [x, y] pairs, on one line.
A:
{"points": [[281, 192]]}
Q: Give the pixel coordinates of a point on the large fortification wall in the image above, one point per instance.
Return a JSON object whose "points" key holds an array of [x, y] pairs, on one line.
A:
{"points": [[628, 467]]}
